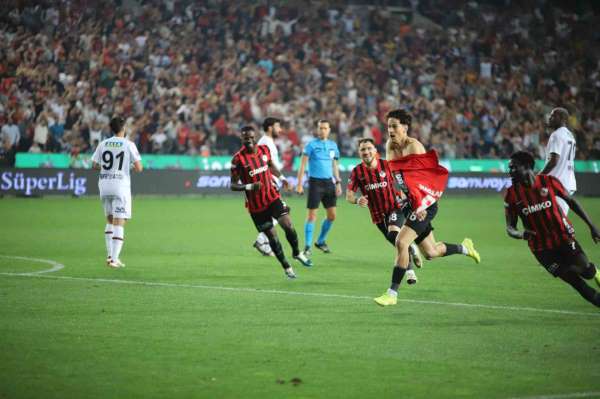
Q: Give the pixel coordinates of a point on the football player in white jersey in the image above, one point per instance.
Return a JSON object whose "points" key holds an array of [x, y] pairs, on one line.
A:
{"points": [[114, 157], [272, 129], [560, 154]]}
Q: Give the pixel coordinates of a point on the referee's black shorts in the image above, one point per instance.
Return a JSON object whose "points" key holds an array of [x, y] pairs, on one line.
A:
{"points": [[321, 191]]}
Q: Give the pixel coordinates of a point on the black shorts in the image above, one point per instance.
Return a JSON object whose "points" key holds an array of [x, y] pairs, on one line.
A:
{"points": [[422, 228], [321, 191], [558, 259], [264, 220]]}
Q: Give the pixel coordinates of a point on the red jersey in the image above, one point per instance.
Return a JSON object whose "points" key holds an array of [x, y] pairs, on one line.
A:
{"points": [[377, 185], [539, 212], [249, 167]]}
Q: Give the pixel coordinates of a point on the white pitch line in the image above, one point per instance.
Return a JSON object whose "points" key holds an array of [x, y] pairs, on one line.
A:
{"points": [[563, 396], [311, 294], [55, 265]]}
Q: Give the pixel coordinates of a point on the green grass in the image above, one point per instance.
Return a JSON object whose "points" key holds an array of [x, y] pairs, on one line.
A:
{"points": [[91, 337]]}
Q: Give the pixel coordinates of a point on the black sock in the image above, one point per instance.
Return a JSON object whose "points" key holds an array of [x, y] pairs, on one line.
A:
{"points": [[278, 251], [452, 249], [292, 238], [397, 276], [391, 237], [590, 294]]}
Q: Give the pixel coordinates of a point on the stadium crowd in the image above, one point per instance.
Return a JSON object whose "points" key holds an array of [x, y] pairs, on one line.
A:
{"points": [[479, 78]]}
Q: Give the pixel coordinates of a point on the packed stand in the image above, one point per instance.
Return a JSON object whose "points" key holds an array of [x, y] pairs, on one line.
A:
{"points": [[478, 78]]}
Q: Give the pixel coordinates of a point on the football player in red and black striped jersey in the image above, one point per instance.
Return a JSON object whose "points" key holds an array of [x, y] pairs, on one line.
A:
{"points": [[374, 179], [547, 230], [252, 171]]}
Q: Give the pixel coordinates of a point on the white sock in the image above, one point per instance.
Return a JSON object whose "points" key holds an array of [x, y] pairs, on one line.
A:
{"points": [[108, 235], [262, 239], [463, 249], [392, 292], [117, 241]]}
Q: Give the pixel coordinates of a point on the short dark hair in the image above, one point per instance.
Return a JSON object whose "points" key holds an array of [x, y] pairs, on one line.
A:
{"points": [[268, 122], [116, 124], [248, 128], [323, 121], [402, 115], [523, 158], [365, 140]]}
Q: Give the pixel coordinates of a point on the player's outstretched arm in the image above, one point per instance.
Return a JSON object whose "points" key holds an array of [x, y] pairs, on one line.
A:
{"points": [[579, 211]]}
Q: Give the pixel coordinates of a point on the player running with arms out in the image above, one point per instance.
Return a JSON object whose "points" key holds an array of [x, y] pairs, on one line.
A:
{"points": [[252, 171], [534, 199], [114, 157], [422, 180], [272, 130], [560, 154], [374, 179]]}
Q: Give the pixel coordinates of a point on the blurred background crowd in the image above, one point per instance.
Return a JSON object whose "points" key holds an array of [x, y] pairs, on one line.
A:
{"points": [[479, 77]]}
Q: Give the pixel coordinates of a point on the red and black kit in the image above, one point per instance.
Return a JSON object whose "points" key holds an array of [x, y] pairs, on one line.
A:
{"points": [[539, 211], [377, 185], [252, 167]]}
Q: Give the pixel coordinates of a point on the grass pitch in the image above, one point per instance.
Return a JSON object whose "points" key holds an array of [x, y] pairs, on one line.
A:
{"points": [[198, 313]]}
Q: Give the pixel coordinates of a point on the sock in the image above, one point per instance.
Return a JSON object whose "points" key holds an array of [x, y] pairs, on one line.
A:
{"points": [[589, 272], [292, 238], [309, 227], [325, 227], [108, 235], [391, 237], [453, 249], [278, 251], [587, 292], [117, 241], [397, 276]]}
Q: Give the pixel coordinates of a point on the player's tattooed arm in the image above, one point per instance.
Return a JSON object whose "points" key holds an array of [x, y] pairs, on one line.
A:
{"points": [[512, 231], [579, 211]]}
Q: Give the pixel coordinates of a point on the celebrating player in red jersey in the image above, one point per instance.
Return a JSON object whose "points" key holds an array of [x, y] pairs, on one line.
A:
{"points": [[549, 233], [252, 172], [422, 179], [375, 180]]}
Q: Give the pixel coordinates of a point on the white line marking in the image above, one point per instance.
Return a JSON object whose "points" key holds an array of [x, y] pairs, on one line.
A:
{"points": [[55, 265], [313, 294], [563, 396]]}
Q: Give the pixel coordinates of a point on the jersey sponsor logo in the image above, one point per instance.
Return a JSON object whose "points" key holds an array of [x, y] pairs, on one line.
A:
{"points": [[113, 144], [536, 207], [375, 186], [257, 171], [429, 191]]}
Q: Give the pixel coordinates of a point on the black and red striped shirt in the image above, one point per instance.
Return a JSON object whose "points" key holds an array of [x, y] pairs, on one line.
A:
{"points": [[251, 167], [539, 211], [377, 185]]}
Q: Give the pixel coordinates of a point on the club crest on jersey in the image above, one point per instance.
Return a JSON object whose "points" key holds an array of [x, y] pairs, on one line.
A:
{"points": [[382, 174], [264, 158], [544, 191]]}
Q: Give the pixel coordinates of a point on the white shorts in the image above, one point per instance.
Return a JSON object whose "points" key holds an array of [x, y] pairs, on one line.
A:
{"points": [[117, 206]]}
